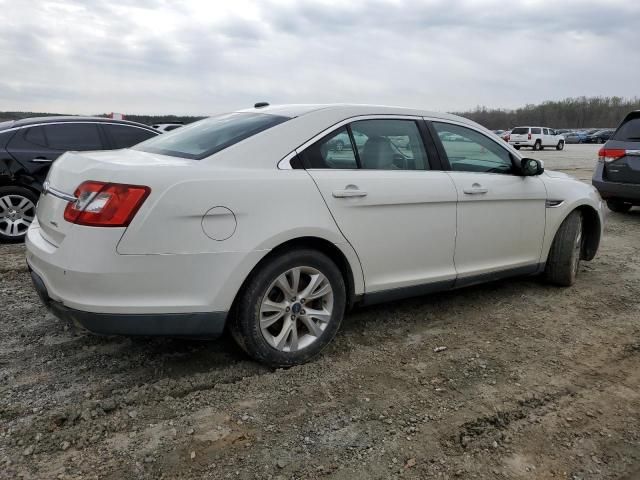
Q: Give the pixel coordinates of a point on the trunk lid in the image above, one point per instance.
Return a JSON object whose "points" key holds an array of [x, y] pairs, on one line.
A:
{"points": [[73, 168], [624, 169]]}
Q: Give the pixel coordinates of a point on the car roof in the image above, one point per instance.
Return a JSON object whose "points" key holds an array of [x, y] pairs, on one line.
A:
{"points": [[24, 122], [350, 110]]}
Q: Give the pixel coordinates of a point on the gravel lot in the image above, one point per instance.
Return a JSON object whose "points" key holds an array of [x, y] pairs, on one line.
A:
{"points": [[536, 382]]}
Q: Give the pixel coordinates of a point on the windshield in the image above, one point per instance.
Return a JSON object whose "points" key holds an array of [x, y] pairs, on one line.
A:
{"points": [[206, 137]]}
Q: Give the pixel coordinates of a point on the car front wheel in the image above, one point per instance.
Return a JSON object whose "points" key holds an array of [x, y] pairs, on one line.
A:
{"points": [[290, 309], [537, 145], [566, 251], [560, 145], [17, 211]]}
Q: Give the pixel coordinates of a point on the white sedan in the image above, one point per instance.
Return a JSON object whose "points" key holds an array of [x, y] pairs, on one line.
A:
{"points": [[252, 221]]}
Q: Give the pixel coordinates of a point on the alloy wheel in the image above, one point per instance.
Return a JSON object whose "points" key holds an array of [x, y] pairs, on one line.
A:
{"points": [[16, 214], [296, 309]]}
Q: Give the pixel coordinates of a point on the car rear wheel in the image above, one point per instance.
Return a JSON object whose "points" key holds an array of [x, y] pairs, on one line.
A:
{"points": [[537, 145], [290, 309], [560, 145], [566, 251], [17, 211], [619, 206], [517, 147]]}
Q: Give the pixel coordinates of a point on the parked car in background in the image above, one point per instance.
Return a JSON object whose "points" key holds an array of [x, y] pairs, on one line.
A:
{"points": [[600, 136], [498, 132], [275, 234], [506, 135], [29, 146], [166, 127], [575, 137], [536, 138], [617, 173]]}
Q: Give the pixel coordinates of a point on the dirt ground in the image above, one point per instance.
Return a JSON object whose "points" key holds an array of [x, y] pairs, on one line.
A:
{"points": [[536, 382]]}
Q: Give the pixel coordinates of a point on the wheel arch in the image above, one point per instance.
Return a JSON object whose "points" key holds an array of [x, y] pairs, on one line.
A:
{"points": [[591, 231], [331, 250]]}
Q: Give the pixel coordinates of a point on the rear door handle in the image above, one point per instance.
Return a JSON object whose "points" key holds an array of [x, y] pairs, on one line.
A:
{"points": [[476, 189], [42, 160], [350, 191]]}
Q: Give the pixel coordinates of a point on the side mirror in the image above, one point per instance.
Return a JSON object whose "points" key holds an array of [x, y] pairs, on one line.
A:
{"points": [[531, 167]]}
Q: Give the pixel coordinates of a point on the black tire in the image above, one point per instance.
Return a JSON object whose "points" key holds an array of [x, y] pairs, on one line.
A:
{"points": [[618, 206], [537, 145], [245, 323], [560, 145], [566, 251], [15, 193], [517, 147]]}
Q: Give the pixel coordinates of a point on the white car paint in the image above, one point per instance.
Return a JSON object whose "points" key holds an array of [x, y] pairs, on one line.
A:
{"points": [[546, 137], [414, 227]]}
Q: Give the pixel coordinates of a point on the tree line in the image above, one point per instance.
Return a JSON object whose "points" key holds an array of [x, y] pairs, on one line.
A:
{"points": [[577, 112]]}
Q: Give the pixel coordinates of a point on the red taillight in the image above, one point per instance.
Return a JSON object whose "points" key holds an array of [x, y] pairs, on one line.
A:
{"points": [[611, 154], [529, 137], [102, 204]]}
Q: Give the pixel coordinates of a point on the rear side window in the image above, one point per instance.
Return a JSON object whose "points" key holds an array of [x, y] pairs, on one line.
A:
{"points": [[124, 136], [536, 131], [629, 131], [519, 130], [73, 136], [206, 137], [333, 151], [35, 136]]}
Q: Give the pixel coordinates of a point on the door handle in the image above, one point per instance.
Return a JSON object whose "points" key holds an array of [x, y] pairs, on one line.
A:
{"points": [[476, 189], [350, 191], [42, 160]]}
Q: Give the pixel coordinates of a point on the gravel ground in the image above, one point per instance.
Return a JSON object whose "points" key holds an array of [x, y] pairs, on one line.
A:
{"points": [[535, 382]]}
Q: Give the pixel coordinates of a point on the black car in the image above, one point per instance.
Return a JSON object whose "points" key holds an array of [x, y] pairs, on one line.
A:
{"points": [[617, 174], [600, 136], [29, 146]]}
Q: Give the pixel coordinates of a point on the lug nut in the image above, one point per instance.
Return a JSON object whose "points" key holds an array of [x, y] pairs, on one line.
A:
{"points": [[293, 317], [287, 309], [302, 312], [302, 300]]}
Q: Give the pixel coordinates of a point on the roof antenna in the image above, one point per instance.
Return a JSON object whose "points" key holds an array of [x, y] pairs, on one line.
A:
{"points": [[261, 104]]}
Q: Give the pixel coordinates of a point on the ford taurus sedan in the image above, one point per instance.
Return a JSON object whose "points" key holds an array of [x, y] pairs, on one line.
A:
{"points": [[252, 221]]}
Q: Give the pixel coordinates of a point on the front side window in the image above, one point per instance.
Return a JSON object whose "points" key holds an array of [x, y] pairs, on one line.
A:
{"points": [[388, 144], [73, 136], [333, 151], [206, 137], [470, 151], [546, 131]]}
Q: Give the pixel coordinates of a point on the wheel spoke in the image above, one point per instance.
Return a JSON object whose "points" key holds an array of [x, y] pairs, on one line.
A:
{"points": [[313, 327], [317, 288], [322, 315], [281, 340], [5, 204], [283, 283], [23, 203], [293, 337]]}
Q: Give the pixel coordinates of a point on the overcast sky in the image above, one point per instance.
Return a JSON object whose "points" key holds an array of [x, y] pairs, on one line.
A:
{"points": [[203, 56]]}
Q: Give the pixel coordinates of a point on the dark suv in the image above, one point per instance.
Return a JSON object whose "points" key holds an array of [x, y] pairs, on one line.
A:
{"points": [[617, 175], [29, 146]]}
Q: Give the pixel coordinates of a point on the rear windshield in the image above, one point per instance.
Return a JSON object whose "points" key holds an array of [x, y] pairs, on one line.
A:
{"points": [[629, 131], [206, 137], [520, 130]]}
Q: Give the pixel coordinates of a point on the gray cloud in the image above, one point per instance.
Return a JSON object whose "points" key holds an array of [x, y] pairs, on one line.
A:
{"points": [[157, 56]]}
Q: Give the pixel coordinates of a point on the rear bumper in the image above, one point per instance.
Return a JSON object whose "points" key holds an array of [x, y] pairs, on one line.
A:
{"points": [[521, 143], [207, 324], [607, 190]]}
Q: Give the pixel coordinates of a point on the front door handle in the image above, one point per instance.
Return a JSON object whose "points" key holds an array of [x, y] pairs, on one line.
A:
{"points": [[476, 189], [42, 160], [350, 191]]}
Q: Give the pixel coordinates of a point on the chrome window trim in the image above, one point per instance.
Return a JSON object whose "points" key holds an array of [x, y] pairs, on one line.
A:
{"points": [[73, 122]]}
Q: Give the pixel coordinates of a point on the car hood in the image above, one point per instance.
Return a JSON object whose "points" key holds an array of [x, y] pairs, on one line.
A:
{"points": [[554, 174]]}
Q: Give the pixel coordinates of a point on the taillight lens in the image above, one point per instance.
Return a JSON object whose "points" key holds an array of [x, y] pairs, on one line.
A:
{"points": [[529, 136], [102, 204], [611, 154]]}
